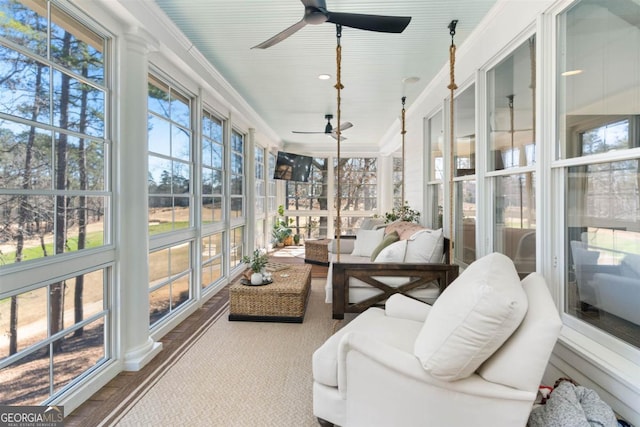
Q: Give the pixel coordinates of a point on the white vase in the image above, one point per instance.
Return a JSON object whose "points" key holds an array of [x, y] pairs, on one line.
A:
{"points": [[256, 279]]}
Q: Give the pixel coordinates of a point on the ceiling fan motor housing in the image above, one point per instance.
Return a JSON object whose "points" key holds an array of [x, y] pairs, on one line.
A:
{"points": [[315, 16]]}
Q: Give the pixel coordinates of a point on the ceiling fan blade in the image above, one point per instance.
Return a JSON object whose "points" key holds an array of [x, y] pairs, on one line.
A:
{"points": [[307, 133], [345, 126], [281, 35], [334, 136], [381, 23]]}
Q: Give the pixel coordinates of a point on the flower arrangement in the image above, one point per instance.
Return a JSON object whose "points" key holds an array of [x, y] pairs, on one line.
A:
{"points": [[257, 261], [402, 213]]}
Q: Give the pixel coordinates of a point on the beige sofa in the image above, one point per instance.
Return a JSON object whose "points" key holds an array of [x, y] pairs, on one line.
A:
{"points": [[366, 271]]}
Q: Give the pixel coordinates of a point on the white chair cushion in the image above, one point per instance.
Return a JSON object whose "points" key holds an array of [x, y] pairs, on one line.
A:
{"points": [[425, 246], [396, 332], [367, 241], [519, 362], [472, 318]]}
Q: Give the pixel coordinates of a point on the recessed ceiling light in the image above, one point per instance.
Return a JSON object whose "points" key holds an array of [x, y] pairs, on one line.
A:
{"points": [[324, 76], [411, 79], [571, 73]]}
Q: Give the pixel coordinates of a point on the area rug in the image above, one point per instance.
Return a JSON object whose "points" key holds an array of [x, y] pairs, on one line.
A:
{"points": [[237, 374]]}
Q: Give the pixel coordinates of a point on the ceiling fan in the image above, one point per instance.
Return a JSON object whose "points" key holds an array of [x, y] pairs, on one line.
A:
{"points": [[328, 129], [315, 12]]}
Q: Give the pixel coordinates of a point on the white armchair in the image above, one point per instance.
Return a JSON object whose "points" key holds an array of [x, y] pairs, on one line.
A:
{"points": [[382, 369]]}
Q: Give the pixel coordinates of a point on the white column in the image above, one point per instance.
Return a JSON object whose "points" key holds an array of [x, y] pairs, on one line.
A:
{"points": [[137, 347]]}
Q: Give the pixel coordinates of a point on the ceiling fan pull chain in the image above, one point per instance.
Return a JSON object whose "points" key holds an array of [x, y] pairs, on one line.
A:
{"points": [[452, 87]]}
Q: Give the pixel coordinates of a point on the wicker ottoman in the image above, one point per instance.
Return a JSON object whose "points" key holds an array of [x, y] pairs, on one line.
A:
{"points": [[316, 251], [284, 300]]}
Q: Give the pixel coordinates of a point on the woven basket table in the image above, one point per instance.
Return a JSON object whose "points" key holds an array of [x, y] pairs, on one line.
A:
{"points": [[317, 251], [284, 300]]}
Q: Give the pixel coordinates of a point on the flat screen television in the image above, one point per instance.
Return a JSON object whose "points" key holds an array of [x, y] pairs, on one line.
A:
{"points": [[293, 167]]}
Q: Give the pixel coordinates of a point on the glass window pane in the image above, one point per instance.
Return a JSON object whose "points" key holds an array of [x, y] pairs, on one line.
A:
{"points": [[75, 46], [436, 144], [180, 111], [158, 134], [511, 88], [515, 220], [26, 158], [83, 297], [158, 100], [32, 31], [29, 309], [159, 304], [465, 137], [12, 391], [180, 178], [77, 106], [24, 84], [180, 143], [603, 248], [83, 165], [158, 266], [598, 76], [179, 259], [77, 353], [465, 208], [179, 292]]}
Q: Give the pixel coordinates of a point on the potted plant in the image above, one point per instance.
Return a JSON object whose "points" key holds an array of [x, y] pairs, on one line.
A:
{"points": [[257, 261], [281, 230], [402, 213]]}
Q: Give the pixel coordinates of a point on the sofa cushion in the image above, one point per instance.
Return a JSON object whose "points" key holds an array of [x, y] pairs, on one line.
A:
{"points": [[403, 228], [396, 332], [472, 318], [366, 242], [395, 252], [425, 246], [386, 241]]}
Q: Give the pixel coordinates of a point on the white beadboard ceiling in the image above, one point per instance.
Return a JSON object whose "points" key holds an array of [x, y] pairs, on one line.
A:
{"points": [[281, 83]]}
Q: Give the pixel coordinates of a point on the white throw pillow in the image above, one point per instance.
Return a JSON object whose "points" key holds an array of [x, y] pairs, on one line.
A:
{"points": [[367, 241], [393, 253], [425, 246], [472, 318]]}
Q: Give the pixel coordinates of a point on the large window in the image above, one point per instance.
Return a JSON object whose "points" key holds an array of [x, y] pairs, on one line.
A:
{"points": [[170, 195], [310, 197], [358, 190], [511, 91], [169, 158], [55, 202], [464, 152], [598, 77]]}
